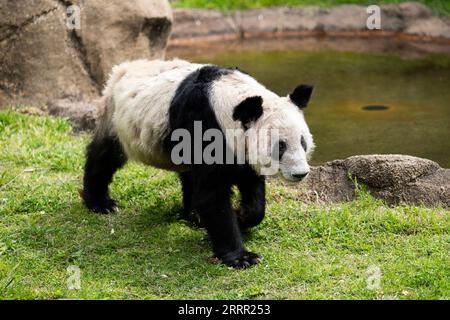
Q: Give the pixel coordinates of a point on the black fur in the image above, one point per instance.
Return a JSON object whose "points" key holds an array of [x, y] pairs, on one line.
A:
{"points": [[303, 143], [187, 185], [253, 199], [301, 95], [282, 147], [191, 103], [248, 110], [210, 187], [104, 156], [207, 188]]}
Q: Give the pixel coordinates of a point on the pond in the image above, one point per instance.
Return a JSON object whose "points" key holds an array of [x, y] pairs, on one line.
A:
{"points": [[364, 103]]}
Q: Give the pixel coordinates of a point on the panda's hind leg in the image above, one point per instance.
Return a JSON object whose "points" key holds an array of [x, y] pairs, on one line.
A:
{"points": [[104, 156], [187, 185]]}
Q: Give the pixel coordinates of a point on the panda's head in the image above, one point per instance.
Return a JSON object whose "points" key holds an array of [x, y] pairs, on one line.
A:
{"points": [[293, 144]]}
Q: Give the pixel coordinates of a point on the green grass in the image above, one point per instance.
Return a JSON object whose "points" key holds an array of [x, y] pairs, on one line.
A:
{"points": [[144, 252], [439, 6]]}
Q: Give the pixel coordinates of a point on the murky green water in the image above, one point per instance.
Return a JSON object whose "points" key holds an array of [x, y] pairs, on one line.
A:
{"points": [[417, 92]]}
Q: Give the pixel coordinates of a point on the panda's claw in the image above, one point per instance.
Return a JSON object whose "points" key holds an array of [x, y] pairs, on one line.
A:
{"points": [[244, 260], [112, 205], [103, 207], [194, 218]]}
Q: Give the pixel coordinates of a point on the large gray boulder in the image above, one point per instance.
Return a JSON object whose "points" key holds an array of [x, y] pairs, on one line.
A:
{"points": [[115, 31], [41, 58], [393, 178]]}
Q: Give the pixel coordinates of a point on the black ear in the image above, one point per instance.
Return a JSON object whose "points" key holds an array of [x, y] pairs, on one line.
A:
{"points": [[301, 95], [248, 110]]}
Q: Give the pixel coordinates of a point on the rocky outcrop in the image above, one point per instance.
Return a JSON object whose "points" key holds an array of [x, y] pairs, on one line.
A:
{"points": [[410, 18], [393, 178], [41, 58], [116, 31]]}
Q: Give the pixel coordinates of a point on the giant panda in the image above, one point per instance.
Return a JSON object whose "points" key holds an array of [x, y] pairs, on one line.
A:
{"points": [[144, 102]]}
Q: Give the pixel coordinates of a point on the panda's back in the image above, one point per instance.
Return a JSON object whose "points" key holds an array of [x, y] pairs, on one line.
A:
{"points": [[139, 94], [147, 100]]}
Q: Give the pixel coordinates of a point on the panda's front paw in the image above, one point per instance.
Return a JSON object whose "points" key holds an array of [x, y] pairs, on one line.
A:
{"points": [[241, 260], [103, 206]]}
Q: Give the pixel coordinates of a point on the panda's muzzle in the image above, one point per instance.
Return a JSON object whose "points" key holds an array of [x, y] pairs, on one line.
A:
{"points": [[299, 176]]}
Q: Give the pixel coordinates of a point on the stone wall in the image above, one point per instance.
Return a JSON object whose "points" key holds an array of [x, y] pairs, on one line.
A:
{"points": [[410, 18]]}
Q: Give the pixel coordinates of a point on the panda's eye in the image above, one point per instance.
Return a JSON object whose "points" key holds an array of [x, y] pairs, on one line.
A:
{"points": [[303, 142], [282, 146]]}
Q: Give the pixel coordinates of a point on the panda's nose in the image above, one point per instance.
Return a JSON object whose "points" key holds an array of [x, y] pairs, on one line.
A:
{"points": [[299, 176]]}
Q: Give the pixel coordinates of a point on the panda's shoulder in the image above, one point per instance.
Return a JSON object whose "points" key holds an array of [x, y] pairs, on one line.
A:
{"points": [[206, 74], [238, 81]]}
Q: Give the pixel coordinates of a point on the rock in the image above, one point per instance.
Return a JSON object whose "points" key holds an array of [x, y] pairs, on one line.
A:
{"points": [[260, 20], [414, 10], [115, 31], [37, 52], [432, 27], [393, 178], [345, 18], [42, 58], [82, 114], [381, 171], [407, 10], [330, 183], [431, 190], [198, 22]]}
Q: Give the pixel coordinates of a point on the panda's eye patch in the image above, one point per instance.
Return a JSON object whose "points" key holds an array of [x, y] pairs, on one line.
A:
{"points": [[282, 147], [303, 142]]}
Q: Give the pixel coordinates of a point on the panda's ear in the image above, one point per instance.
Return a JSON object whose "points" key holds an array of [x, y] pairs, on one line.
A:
{"points": [[301, 95], [248, 110]]}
